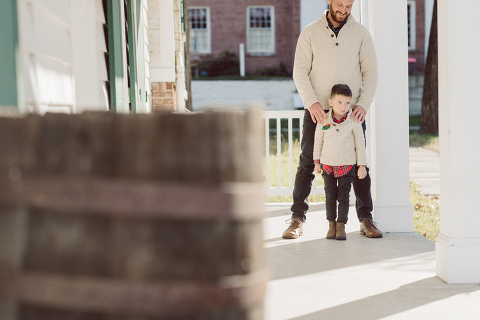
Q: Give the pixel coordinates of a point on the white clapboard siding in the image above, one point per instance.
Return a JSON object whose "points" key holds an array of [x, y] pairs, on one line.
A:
{"points": [[54, 82], [29, 80], [89, 47], [146, 53], [46, 50], [53, 36], [125, 97], [161, 40], [102, 67], [153, 33]]}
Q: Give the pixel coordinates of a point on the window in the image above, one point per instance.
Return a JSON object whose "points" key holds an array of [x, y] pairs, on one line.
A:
{"points": [[411, 18], [199, 18], [260, 30]]}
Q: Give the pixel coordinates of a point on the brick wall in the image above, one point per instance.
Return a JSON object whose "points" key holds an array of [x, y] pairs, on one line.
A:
{"points": [[416, 74], [419, 52], [164, 96], [228, 30]]}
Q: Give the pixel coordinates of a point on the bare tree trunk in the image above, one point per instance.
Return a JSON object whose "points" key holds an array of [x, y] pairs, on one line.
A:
{"points": [[429, 115]]}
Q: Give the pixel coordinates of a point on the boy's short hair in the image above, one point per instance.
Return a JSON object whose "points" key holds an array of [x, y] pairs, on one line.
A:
{"points": [[341, 89]]}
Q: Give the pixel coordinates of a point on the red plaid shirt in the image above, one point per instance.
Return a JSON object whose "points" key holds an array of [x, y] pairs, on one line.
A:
{"points": [[338, 171], [339, 121]]}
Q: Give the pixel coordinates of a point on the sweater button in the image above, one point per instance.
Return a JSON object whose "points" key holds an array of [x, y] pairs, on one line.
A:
{"points": [[337, 130], [332, 35], [336, 44]]}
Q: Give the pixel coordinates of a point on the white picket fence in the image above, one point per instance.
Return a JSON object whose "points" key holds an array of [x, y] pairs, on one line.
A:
{"points": [[280, 190]]}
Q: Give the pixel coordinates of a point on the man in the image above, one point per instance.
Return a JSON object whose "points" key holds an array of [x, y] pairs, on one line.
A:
{"points": [[334, 49]]}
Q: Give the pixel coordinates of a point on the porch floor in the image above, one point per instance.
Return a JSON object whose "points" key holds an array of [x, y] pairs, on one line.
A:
{"points": [[360, 278]]}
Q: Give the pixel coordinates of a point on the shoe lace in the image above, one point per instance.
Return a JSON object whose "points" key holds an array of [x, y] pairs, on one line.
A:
{"points": [[293, 222], [370, 222]]}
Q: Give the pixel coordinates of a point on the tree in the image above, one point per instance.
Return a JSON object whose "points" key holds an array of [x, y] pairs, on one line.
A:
{"points": [[429, 113]]}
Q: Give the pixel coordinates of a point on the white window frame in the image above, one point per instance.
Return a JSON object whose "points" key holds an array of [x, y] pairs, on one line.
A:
{"points": [[209, 32], [413, 25], [260, 51]]}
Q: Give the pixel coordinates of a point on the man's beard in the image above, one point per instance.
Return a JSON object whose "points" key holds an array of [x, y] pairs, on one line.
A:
{"points": [[334, 17]]}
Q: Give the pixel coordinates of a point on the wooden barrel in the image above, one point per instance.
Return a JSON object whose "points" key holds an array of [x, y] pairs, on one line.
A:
{"points": [[106, 216]]}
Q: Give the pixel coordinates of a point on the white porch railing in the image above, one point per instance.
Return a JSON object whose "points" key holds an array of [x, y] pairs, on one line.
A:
{"points": [[284, 190]]}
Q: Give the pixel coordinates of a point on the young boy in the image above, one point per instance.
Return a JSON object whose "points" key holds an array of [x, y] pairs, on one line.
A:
{"points": [[339, 146]]}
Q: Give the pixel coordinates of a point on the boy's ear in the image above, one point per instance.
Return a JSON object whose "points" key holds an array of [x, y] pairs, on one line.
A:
{"points": [[330, 102]]}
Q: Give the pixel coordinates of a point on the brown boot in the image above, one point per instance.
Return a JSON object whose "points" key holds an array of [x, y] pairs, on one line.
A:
{"points": [[332, 230], [369, 228], [294, 230], [341, 235]]}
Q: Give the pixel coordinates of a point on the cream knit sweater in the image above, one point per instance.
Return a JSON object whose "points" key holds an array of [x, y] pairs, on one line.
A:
{"points": [[342, 144], [323, 60]]}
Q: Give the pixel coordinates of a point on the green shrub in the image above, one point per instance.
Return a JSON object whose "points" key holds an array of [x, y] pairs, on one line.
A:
{"points": [[225, 64], [281, 71]]}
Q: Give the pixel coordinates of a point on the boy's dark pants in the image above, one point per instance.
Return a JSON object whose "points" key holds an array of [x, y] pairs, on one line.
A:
{"points": [[305, 176], [338, 189]]}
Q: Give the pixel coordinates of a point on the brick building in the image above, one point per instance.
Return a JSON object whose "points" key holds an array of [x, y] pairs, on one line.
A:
{"points": [[419, 19], [269, 29], [417, 44]]}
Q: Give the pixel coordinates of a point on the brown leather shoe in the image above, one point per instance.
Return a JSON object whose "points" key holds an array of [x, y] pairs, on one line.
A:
{"points": [[332, 230], [369, 228], [340, 235], [294, 230]]}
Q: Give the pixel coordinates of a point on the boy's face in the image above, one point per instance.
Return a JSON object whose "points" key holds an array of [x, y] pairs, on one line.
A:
{"points": [[340, 104]]}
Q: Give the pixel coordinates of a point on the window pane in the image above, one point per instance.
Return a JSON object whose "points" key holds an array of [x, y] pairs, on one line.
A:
{"points": [[198, 40], [260, 17], [260, 30], [198, 18], [260, 39], [198, 30]]}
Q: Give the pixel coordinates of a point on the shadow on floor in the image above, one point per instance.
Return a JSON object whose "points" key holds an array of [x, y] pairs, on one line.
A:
{"points": [[293, 259], [273, 240], [274, 210], [406, 297]]}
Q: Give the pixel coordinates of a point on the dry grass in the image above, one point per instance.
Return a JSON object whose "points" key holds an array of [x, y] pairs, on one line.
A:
{"points": [[426, 213], [428, 141]]}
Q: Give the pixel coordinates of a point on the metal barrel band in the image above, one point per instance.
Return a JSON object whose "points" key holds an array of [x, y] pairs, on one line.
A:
{"points": [[149, 298], [131, 198]]}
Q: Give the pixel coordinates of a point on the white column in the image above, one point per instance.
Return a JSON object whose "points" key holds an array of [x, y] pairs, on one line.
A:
{"points": [[364, 13], [458, 245], [179, 47], [356, 11], [363, 19], [389, 117], [161, 41], [311, 10], [241, 55]]}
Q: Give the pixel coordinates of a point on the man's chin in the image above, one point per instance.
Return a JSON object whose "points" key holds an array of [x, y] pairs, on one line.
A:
{"points": [[340, 19]]}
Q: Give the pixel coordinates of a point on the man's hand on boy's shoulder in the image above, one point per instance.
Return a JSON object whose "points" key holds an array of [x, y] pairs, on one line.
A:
{"points": [[358, 114], [317, 113]]}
